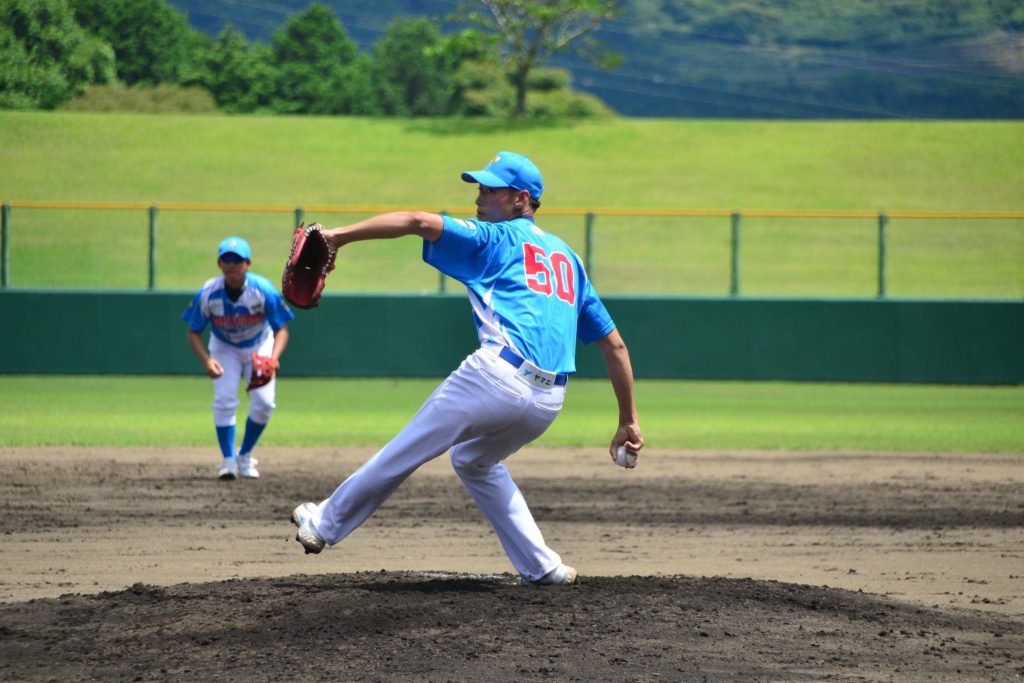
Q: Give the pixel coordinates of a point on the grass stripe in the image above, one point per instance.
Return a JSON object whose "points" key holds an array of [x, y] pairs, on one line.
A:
{"points": [[175, 411]]}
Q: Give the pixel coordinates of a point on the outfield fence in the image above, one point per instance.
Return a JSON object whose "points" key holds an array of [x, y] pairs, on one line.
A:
{"points": [[712, 252]]}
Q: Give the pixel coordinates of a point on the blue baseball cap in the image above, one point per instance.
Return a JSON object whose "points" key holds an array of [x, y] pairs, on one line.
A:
{"points": [[235, 245], [509, 170]]}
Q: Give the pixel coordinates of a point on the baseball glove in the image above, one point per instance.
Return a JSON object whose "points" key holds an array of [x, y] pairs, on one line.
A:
{"points": [[309, 264], [263, 369]]}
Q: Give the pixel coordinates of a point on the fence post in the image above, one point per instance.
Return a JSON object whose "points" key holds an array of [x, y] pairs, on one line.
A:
{"points": [[153, 211], [588, 245], [5, 244], [883, 239], [734, 248]]}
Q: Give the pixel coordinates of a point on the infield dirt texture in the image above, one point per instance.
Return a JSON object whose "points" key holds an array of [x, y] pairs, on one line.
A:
{"points": [[135, 564]]}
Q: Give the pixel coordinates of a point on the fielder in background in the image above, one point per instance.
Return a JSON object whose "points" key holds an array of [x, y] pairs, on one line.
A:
{"points": [[248, 333], [531, 300]]}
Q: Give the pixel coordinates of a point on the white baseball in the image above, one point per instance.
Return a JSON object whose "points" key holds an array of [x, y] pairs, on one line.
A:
{"points": [[625, 457]]}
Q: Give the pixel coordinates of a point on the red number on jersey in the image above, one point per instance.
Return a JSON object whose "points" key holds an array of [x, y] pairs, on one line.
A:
{"points": [[539, 274], [564, 277]]}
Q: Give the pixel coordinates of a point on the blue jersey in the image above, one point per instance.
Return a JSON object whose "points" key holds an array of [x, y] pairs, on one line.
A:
{"points": [[243, 323], [528, 289]]}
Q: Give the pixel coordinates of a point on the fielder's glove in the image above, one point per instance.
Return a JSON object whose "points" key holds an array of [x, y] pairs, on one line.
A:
{"points": [[309, 264], [263, 369]]}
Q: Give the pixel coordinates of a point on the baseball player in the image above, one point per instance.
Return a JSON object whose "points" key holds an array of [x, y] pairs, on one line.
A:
{"points": [[531, 300], [247, 316]]}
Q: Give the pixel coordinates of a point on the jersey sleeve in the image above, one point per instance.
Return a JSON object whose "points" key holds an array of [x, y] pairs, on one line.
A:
{"points": [[194, 316], [462, 244], [594, 322], [276, 311]]}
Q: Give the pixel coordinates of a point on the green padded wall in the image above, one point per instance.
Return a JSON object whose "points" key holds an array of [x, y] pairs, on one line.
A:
{"points": [[934, 341]]}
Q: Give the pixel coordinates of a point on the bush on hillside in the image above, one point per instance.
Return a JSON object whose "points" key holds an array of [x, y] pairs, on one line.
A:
{"points": [[546, 79], [482, 90], [159, 99], [557, 104]]}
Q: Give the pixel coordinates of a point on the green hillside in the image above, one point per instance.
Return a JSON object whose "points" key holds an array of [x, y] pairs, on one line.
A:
{"points": [[765, 59], [636, 163]]}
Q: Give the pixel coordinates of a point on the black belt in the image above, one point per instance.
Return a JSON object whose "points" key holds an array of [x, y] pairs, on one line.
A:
{"points": [[516, 361]]}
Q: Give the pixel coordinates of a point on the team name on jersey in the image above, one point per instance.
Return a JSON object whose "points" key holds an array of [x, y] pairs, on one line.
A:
{"points": [[237, 320]]}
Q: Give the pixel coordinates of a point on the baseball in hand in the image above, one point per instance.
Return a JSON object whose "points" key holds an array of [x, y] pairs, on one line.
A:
{"points": [[625, 457]]}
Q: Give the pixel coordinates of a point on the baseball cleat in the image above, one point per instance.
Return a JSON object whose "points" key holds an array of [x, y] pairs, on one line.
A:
{"points": [[311, 540], [229, 470], [562, 575], [247, 467]]}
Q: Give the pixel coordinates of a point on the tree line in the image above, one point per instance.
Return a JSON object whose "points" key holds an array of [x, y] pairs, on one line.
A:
{"points": [[102, 53], [755, 58], [706, 58]]}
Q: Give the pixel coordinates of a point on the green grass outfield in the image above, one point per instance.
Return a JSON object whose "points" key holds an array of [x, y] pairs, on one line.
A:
{"points": [[175, 411], [619, 163]]}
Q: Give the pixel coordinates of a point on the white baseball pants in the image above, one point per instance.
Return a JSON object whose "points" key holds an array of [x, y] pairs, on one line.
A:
{"points": [[482, 413], [237, 364]]}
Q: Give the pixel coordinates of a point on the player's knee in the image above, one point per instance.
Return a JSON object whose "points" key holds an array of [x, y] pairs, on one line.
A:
{"points": [[261, 409], [466, 465], [459, 461], [261, 416], [225, 405]]}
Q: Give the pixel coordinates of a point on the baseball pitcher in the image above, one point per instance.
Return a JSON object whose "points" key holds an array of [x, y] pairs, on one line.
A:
{"points": [[531, 300]]}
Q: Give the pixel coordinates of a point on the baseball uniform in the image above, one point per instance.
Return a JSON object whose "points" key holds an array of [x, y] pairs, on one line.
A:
{"points": [[531, 300], [242, 322]]}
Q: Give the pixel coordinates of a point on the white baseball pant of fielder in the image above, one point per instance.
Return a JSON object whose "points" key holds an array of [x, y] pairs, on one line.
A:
{"points": [[237, 364]]}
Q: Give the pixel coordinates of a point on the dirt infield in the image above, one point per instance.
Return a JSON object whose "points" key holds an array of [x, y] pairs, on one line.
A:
{"points": [[138, 565]]}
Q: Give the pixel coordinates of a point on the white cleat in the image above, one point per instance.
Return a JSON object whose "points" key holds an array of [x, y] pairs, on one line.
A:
{"points": [[229, 470], [562, 575], [247, 467], [307, 535]]}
